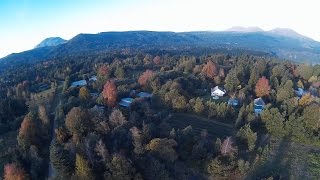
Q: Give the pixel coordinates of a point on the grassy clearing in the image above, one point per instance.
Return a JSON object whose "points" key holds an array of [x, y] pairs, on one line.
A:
{"points": [[215, 129]]}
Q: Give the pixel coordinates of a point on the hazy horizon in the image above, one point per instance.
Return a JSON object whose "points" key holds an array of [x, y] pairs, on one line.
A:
{"points": [[25, 23]]}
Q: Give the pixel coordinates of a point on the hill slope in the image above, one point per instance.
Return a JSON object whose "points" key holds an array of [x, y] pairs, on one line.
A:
{"points": [[284, 46]]}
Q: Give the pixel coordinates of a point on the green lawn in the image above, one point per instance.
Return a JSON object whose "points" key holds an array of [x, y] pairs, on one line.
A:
{"points": [[215, 129]]}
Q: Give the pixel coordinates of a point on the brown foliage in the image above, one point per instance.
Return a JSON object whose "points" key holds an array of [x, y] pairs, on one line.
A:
{"points": [[84, 94], [43, 115], [61, 134], [262, 87], [305, 99], [116, 118], [27, 133], [13, 172], [157, 60], [78, 121], [102, 151], [221, 73], [226, 147], [210, 70], [103, 70], [145, 77], [110, 93]]}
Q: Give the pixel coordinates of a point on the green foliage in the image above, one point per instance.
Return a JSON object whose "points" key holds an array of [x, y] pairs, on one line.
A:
{"points": [[273, 121], [305, 71], [232, 81], [164, 148], [197, 105], [66, 84], [314, 165], [285, 92], [245, 133], [311, 116], [61, 161]]}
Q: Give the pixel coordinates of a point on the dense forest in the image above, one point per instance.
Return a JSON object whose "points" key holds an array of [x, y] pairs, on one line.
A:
{"points": [[62, 118]]}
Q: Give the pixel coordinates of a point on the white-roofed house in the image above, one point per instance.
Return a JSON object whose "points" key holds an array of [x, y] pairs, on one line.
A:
{"points": [[217, 92]]}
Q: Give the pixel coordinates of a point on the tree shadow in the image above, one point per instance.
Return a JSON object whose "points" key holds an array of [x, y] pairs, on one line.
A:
{"points": [[277, 166]]}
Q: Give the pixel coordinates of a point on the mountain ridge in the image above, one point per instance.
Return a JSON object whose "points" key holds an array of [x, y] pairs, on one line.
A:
{"points": [[286, 47]]}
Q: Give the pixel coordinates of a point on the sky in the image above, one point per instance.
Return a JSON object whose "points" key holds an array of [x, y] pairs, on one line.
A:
{"points": [[25, 23]]}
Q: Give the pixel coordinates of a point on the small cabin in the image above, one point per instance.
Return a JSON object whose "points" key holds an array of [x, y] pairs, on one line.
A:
{"points": [[259, 105], [93, 78], [126, 102], [79, 83], [300, 92], [144, 95], [217, 92], [233, 102]]}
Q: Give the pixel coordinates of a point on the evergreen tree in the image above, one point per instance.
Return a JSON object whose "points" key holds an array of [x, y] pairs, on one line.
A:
{"points": [[232, 81]]}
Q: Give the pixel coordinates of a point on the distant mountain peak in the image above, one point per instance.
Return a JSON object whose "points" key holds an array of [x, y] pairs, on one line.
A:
{"points": [[51, 41], [288, 33], [245, 29]]}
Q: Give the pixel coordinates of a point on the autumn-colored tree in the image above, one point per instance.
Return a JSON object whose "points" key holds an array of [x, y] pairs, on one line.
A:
{"points": [[102, 151], [116, 118], [83, 170], [305, 99], [28, 132], [137, 139], [262, 87], [157, 60], [221, 73], [227, 147], [145, 77], [78, 122], [43, 115], [103, 70], [14, 172], [84, 94], [300, 84], [110, 93], [210, 70], [61, 134]]}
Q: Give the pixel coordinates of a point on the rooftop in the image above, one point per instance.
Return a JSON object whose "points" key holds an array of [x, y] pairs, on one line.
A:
{"points": [[259, 102], [144, 94], [79, 83], [126, 102]]}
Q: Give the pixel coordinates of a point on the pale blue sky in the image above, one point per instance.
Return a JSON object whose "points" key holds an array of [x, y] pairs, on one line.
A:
{"points": [[24, 23]]}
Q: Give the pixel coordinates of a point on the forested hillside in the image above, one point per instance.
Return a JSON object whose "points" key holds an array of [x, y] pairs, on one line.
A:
{"points": [[156, 114], [292, 47]]}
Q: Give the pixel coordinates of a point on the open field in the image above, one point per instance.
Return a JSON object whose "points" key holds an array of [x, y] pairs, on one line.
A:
{"points": [[214, 128]]}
